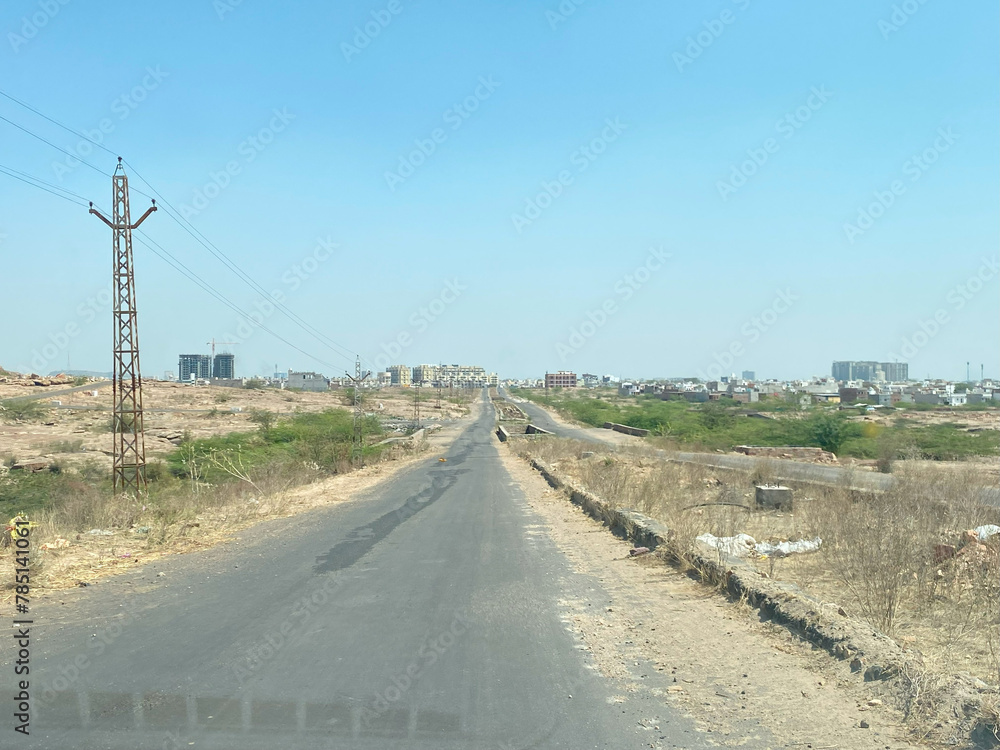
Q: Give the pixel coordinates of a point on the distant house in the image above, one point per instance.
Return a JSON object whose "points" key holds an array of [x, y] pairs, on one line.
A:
{"points": [[307, 381], [850, 395]]}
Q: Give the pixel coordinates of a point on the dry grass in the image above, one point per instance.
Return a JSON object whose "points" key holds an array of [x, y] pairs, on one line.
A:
{"points": [[176, 516], [881, 558]]}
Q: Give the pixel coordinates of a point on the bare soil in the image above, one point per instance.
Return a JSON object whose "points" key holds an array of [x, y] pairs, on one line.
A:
{"points": [[78, 430]]}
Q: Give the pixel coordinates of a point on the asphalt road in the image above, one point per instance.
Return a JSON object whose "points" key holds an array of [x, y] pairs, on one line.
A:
{"points": [[784, 469], [540, 418], [426, 614], [66, 391]]}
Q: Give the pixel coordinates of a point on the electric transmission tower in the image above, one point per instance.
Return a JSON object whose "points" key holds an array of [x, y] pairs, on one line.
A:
{"points": [[129, 463], [357, 445]]}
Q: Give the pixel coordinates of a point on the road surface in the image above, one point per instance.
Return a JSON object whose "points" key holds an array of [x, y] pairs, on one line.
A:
{"points": [[783, 468], [540, 418], [424, 614]]}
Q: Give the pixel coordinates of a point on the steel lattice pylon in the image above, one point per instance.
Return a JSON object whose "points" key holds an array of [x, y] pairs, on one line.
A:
{"points": [[358, 444], [129, 469]]}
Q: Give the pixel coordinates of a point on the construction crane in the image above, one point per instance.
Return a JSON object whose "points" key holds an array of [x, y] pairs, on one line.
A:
{"points": [[213, 342]]}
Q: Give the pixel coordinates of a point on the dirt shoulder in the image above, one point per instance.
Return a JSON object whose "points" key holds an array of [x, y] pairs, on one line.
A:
{"points": [[737, 677]]}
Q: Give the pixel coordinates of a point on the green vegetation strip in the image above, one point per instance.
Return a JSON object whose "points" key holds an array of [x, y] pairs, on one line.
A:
{"points": [[721, 425], [319, 441]]}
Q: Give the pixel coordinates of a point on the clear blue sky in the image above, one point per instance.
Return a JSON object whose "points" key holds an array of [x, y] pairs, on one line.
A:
{"points": [[687, 112]]}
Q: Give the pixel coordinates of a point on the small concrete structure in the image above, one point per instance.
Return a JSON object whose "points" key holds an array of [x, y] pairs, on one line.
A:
{"points": [[625, 429], [773, 497]]}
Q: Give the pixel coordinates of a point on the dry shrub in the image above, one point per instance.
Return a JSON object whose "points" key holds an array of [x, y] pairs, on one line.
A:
{"points": [[882, 548]]}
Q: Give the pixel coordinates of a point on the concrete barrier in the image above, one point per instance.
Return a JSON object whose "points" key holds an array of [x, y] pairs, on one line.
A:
{"points": [[624, 428], [532, 429]]}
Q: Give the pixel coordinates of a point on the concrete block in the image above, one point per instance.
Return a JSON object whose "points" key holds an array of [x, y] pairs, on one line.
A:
{"points": [[773, 497]]}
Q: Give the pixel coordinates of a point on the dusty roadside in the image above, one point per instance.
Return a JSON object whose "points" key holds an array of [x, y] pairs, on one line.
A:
{"points": [[90, 557], [734, 675]]}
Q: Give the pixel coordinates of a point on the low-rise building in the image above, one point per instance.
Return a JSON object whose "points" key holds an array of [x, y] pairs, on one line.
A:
{"points": [[307, 381], [561, 379]]}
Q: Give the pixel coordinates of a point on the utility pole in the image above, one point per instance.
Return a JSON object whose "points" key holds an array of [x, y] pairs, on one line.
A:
{"points": [[416, 408], [357, 454], [129, 453]]}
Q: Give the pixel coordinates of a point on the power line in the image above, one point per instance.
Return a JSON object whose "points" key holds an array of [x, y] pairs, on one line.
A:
{"points": [[62, 150], [56, 122], [181, 268], [10, 171], [80, 202], [186, 225], [201, 239]]}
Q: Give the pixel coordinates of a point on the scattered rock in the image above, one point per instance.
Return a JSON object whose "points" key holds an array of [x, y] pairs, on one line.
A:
{"points": [[33, 465], [636, 551], [864, 724]]}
